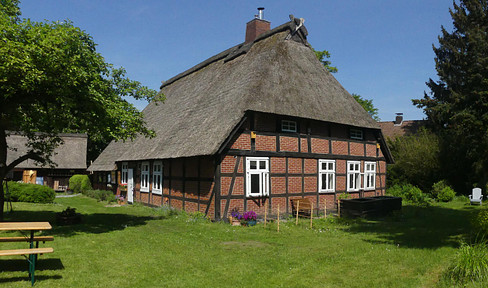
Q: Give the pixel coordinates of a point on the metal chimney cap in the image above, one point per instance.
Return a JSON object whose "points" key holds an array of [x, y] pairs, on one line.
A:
{"points": [[260, 13]]}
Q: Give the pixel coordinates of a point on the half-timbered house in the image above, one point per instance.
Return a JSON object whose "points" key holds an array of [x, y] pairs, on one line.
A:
{"points": [[253, 127]]}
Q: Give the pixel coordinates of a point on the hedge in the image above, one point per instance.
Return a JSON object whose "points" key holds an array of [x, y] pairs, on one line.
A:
{"points": [[79, 183], [24, 192]]}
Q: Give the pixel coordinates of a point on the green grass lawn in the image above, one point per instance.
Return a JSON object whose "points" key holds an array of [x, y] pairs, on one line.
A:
{"points": [[136, 246]]}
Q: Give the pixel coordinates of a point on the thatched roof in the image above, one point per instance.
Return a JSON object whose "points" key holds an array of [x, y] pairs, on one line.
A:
{"points": [[271, 74], [106, 160], [70, 155]]}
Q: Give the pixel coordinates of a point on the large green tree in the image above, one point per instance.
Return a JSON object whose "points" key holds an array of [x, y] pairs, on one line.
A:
{"points": [[323, 57], [53, 80], [368, 106], [457, 105]]}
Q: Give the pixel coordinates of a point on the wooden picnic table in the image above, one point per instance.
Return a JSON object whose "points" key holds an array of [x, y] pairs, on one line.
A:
{"points": [[32, 252]]}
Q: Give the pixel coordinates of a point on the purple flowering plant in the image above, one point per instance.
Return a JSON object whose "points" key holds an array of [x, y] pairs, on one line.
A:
{"points": [[249, 215], [235, 213]]}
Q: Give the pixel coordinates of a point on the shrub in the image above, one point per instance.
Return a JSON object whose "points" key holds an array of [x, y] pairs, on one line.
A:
{"points": [[417, 160], [101, 195], [446, 194], [79, 183], [481, 221], [23, 192], [408, 192], [437, 188], [470, 264]]}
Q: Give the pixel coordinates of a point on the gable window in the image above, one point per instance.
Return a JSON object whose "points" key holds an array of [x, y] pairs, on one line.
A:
{"points": [[369, 175], [356, 134], [326, 175], [353, 175], [145, 177], [157, 177], [288, 126], [257, 176], [123, 177]]}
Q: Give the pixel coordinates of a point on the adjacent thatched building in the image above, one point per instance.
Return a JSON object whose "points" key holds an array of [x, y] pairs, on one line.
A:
{"points": [[253, 126], [70, 159]]}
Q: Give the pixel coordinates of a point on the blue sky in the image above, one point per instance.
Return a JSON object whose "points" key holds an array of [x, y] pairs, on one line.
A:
{"points": [[383, 49]]}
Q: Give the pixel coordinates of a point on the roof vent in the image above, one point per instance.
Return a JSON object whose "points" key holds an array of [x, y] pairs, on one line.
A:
{"points": [[257, 26], [399, 119]]}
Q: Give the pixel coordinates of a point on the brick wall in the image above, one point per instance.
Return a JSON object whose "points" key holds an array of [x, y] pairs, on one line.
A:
{"points": [[265, 143], [288, 144]]}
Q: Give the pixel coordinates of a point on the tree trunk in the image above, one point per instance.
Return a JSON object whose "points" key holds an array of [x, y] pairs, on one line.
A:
{"points": [[3, 167], [2, 198]]}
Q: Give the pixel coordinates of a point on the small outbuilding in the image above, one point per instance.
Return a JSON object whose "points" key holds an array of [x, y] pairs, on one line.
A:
{"points": [[69, 159]]}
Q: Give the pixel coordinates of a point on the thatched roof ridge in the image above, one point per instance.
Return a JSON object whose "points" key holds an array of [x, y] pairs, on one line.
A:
{"points": [[69, 155], [272, 75]]}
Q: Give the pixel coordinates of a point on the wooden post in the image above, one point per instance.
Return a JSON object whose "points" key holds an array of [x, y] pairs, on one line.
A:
{"points": [[265, 209], [325, 208], [339, 208], [311, 216], [298, 208], [278, 217]]}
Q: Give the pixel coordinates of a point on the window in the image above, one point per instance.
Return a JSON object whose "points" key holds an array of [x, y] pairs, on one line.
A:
{"points": [[257, 176], [356, 134], [157, 177], [353, 176], [145, 177], [288, 126], [369, 175], [123, 177], [326, 175]]}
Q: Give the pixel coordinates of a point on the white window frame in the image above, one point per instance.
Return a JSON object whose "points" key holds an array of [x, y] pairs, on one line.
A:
{"points": [[356, 134], [353, 176], [289, 126], [145, 176], [329, 173], [369, 176], [124, 173], [263, 176], [157, 177]]}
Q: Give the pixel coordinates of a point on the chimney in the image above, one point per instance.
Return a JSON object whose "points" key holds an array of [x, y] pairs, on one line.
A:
{"points": [[398, 119], [257, 26]]}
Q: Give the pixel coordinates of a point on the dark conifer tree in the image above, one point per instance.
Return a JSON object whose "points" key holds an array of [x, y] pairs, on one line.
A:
{"points": [[457, 105]]}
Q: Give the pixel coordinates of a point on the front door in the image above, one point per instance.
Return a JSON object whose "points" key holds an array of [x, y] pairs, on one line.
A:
{"points": [[130, 185]]}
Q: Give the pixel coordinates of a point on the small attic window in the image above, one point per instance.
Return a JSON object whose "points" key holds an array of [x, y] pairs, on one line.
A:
{"points": [[356, 134], [288, 126]]}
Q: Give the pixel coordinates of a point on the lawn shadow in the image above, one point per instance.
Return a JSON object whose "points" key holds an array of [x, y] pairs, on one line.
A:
{"points": [[20, 265], [15, 265], [27, 279], [428, 227], [95, 223]]}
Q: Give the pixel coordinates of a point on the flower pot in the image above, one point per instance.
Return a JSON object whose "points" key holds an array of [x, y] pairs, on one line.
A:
{"points": [[251, 222], [236, 222]]}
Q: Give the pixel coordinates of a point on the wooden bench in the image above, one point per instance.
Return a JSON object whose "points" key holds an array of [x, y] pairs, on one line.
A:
{"points": [[30, 255], [27, 239], [304, 206], [26, 251]]}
